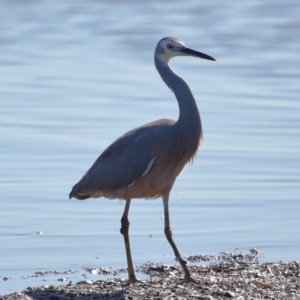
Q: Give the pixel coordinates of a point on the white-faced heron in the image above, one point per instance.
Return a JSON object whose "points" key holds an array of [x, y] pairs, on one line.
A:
{"points": [[144, 162]]}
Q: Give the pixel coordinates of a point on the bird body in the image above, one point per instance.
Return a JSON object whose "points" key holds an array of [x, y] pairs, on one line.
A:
{"points": [[122, 172], [144, 162]]}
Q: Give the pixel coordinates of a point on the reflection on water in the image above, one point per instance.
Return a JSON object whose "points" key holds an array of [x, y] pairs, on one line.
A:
{"points": [[76, 76]]}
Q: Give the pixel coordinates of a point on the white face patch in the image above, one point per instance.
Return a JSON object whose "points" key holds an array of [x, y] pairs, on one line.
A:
{"points": [[168, 48]]}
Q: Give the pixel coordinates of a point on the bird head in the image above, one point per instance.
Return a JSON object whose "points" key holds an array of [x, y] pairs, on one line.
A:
{"points": [[170, 47]]}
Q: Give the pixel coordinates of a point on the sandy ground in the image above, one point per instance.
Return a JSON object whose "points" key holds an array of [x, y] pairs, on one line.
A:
{"points": [[231, 279]]}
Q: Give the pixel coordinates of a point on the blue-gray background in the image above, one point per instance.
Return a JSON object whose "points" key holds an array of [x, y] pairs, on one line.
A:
{"points": [[76, 75]]}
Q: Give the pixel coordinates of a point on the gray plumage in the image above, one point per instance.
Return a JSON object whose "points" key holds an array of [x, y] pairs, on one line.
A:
{"points": [[144, 162]]}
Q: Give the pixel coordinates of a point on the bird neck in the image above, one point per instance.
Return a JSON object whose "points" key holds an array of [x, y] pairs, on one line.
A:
{"points": [[189, 117]]}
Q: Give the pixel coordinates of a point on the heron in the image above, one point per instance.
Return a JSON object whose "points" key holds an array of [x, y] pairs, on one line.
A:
{"points": [[145, 162]]}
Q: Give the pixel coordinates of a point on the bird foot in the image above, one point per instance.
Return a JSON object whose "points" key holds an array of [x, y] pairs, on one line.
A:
{"points": [[189, 279], [134, 280]]}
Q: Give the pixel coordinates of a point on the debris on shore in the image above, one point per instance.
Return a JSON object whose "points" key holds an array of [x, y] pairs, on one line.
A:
{"points": [[231, 279]]}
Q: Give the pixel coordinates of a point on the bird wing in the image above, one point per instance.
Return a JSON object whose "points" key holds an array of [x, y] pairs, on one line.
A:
{"points": [[126, 160]]}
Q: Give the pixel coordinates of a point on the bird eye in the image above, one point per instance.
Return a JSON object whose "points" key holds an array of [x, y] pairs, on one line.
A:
{"points": [[170, 47]]}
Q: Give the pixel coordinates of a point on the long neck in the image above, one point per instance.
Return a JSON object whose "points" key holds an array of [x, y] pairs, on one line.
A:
{"points": [[189, 118]]}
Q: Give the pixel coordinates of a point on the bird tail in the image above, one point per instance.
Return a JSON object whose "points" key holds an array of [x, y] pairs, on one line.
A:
{"points": [[78, 194]]}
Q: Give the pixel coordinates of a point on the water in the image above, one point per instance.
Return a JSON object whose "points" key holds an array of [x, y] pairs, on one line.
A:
{"points": [[76, 76]]}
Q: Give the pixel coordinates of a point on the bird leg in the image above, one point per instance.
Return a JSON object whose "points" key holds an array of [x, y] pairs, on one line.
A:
{"points": [[168, 233], [124, 230]]}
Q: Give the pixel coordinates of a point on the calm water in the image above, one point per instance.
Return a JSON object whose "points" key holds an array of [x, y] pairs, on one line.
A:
{"points": [[76, 76]]}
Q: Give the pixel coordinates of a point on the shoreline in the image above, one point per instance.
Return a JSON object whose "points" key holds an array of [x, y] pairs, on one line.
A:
{"points": [[222, 280]]}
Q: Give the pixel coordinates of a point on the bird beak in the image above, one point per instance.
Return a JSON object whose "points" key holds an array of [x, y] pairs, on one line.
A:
{"points": [[191, 52]]}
